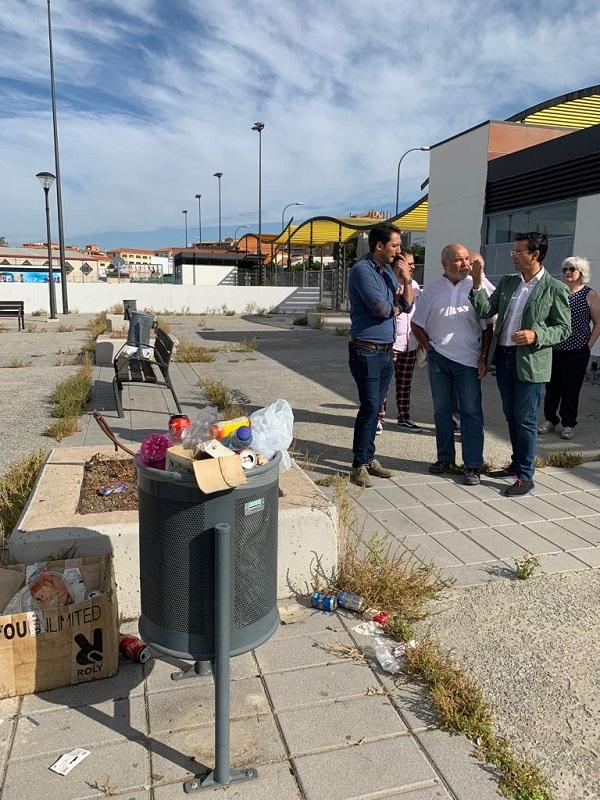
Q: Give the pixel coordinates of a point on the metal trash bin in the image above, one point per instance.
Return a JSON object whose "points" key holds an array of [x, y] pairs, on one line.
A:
{"points": [[177, 557], [138, 334], [128, 307]]}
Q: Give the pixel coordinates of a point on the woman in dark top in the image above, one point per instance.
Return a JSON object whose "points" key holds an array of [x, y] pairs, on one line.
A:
{"points": [[570, 358]]}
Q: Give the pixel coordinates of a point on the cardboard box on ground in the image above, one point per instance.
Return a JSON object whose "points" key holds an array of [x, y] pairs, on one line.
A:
{"points": [[46, 649]]}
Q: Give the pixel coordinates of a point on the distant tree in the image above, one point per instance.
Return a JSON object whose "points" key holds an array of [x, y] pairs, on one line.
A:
{"points": [[3, 242]]}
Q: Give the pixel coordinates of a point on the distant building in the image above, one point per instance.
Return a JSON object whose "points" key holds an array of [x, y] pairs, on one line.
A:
{"points": [[29, 264]]}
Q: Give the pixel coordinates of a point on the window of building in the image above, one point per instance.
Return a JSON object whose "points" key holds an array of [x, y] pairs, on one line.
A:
{"points": [[554, 219]]}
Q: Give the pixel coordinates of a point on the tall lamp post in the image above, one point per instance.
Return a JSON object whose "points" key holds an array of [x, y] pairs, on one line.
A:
{"points": [[199, 198], [412, 150], [219, 175], [297, 203], [184, 212], [235, 234], [61, 234], [47, 179], [259, 126]]}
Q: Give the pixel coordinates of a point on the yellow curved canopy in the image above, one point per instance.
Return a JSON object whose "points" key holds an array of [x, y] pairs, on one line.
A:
{"points": [[580, 109]]}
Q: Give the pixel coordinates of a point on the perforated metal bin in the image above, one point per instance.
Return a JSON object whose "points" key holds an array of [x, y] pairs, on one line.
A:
{"points": [[177, 556]]}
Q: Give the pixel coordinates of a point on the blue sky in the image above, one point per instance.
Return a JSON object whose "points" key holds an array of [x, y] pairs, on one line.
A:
{"points": [[155, 96]]}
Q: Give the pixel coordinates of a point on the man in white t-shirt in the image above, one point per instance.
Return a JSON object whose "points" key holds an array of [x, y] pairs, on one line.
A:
{"points": [[457, 342]]}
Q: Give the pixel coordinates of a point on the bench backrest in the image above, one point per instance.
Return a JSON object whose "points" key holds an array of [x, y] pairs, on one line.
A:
{"points": [[17, 305], [164, 346]]}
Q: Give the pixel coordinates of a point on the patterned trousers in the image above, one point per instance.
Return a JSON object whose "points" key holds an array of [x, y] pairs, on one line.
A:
{"points": [[404, 366]]}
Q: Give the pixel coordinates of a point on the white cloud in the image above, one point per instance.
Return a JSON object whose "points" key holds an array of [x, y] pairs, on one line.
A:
{"points": [[343, 88]]}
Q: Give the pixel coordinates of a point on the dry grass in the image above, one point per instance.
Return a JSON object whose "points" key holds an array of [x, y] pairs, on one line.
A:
{"points": [[559, 458], [340, 650], [18, 363], [246, 345], [193, 353], [16, 484], [65, 328], [117, 308], [342, 330], [3, 328], [233, 411], [164, 326], [216, 393], [62, 428], [305, 460], [97, 325], [71, 395], [39, 312]]}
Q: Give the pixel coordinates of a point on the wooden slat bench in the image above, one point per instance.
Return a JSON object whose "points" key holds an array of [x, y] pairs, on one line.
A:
{"points": [[13, 308], [153, 371]]}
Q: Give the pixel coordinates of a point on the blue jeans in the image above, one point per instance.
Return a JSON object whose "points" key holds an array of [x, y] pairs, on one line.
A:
{"points": [[449, 379], [372, 370], [521, 402]]}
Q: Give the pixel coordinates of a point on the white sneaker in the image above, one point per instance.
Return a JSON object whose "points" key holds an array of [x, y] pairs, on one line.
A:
{"points": [[546, 427], [379, 428], [567, 433]]}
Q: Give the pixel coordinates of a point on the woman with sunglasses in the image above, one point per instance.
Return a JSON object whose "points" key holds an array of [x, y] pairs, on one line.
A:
{"points": [[570, 358]]}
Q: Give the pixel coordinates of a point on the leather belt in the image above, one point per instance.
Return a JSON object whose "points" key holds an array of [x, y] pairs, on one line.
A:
{"points": [[371, 345]]}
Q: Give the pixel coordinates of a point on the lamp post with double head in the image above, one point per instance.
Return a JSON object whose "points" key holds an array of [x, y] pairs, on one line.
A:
{"points": [[219, 175], [412, 150], [199, 198], [259, 126], [47, 179], [184, 212], [296, 203]]}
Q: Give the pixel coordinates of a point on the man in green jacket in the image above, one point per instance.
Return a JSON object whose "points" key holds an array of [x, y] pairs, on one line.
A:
{"points": [[533, 314]]}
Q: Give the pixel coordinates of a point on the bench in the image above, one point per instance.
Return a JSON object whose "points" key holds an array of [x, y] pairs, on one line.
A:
{"points": [[153, 371], [13, 308]]}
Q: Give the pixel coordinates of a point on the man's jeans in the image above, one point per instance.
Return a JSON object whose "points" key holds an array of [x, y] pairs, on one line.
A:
{"points": [[372, 370], [449, 379], [521, 402]]}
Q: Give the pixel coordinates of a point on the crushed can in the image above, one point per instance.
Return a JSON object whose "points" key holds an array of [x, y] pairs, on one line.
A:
{"points": [[324, 602], [382, 618], [351, 601], [134, 649]]}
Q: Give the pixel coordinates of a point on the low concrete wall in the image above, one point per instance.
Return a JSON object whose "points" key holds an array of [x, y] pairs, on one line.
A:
{"points": [[90, 298], [50, 525]]}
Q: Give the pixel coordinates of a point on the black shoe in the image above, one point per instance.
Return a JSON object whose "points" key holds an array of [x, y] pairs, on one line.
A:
{"points": [[439, 467], [506, 472], [519, 488], [472, 477]]}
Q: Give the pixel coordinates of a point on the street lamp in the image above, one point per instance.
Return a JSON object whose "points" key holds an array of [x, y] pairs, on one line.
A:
{"points": [[47, 179], [219, 175], [297, 203], [184, 212], [235, 233], [198, 198], [259, 126], [61, 235], [412, 150]]}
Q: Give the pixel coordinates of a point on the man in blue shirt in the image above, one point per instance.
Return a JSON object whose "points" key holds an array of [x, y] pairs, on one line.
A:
{"points": [[375, 299]]}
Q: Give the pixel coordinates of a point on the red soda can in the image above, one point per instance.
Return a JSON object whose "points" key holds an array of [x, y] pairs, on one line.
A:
{"points": [[178, 423], [382, 618], [134, 649]]}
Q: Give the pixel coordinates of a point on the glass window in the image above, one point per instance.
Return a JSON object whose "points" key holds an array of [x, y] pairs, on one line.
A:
{"points": [[554, 219]]}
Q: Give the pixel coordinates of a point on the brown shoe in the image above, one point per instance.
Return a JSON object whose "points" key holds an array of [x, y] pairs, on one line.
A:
{"points": [[360, 476], [378, 471]]}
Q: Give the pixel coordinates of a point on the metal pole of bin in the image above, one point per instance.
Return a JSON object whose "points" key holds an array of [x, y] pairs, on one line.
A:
{"points": [[223, 774]]}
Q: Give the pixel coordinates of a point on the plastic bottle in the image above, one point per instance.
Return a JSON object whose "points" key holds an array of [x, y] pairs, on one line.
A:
{"points": [[224, 428], [240, 439]]}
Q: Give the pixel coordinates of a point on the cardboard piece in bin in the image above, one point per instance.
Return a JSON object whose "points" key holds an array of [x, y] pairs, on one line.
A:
{"points": [[213, 473]]}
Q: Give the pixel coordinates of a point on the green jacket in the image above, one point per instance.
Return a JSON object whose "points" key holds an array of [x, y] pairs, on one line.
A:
{"points": [[546, 312]]}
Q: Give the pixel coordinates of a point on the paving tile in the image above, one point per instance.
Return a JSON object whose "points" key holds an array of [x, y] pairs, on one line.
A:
{"points": [[195, 705], [177, 755], [453, 756], [159, 670], [311, 623], [487, 490], [496, 543], [341, 724], [560, 537], [580, 478], [476, 574], [274, 782], [309, 687], [559, 562], [551, 483], [122, 764], [464, 548], [542, 506], [572, 505], [589, 499], [412, 702], [427, 520], [514, 511], [459, 516], [372, 500], [363, 770], [454, 493], [528, 540], [85, 726], [397, 523], [488, 514], [430, 793], [427, 495], [583, 528], [303, 651], [404, 478], [590, 557], [368, 525], [428, 550], [401, 498]]}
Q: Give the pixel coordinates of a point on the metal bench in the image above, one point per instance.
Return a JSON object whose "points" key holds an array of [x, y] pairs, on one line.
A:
{"points": [[153, 371], [13, 308]]}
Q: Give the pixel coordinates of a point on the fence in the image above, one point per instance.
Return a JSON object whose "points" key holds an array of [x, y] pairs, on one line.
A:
{"points": [[331, 283]]}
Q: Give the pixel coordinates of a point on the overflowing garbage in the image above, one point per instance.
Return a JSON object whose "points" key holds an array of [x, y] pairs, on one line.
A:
{"points": [[219, 452]]}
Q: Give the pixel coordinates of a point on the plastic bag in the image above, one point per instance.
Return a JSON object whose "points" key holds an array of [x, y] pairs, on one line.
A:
{"points": [[199, 430], [272, 430]]}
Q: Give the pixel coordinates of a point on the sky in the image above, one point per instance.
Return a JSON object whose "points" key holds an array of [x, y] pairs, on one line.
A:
{"points": [[154, 96]]}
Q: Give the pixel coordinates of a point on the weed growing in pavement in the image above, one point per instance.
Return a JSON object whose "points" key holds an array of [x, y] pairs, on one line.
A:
{"points": [[98, 325], [59, 430], [65, 328], [32, 327], [71, 395], [301, 320], [193, 353], [250, 308], [233, 410], [216, 392], [16, 483], [559, 458], [319, 324], [526, 566], [329, 480], [305, 460], [117, 308], [246, 345], [226, 311], [39, 312], [18, 363], [342, 330], [3, 328], [164, 326]]}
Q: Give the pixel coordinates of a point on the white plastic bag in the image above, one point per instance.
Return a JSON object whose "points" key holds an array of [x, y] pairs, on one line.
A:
{"points": [[272, 430]]}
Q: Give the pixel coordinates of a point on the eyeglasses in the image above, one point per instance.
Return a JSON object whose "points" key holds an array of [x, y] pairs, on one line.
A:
{"points": [[570, 269], [518, 252]]}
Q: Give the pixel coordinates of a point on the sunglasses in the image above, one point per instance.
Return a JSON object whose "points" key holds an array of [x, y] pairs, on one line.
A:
{"points": [[570, 269]]}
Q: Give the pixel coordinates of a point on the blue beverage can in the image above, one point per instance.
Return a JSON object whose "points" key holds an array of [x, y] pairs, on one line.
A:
{"points": [[324, 602], [351, 601]]}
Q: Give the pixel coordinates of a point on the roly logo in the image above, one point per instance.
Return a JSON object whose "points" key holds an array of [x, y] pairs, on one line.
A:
{"points": [[89, 652]]}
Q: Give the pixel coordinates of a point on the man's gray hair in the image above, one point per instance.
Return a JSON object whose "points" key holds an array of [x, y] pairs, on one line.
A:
{"points": [[581, 264], [448, 250]]}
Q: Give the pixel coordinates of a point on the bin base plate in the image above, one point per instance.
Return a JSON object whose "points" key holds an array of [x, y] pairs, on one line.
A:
{"points": [[209, 781]]}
